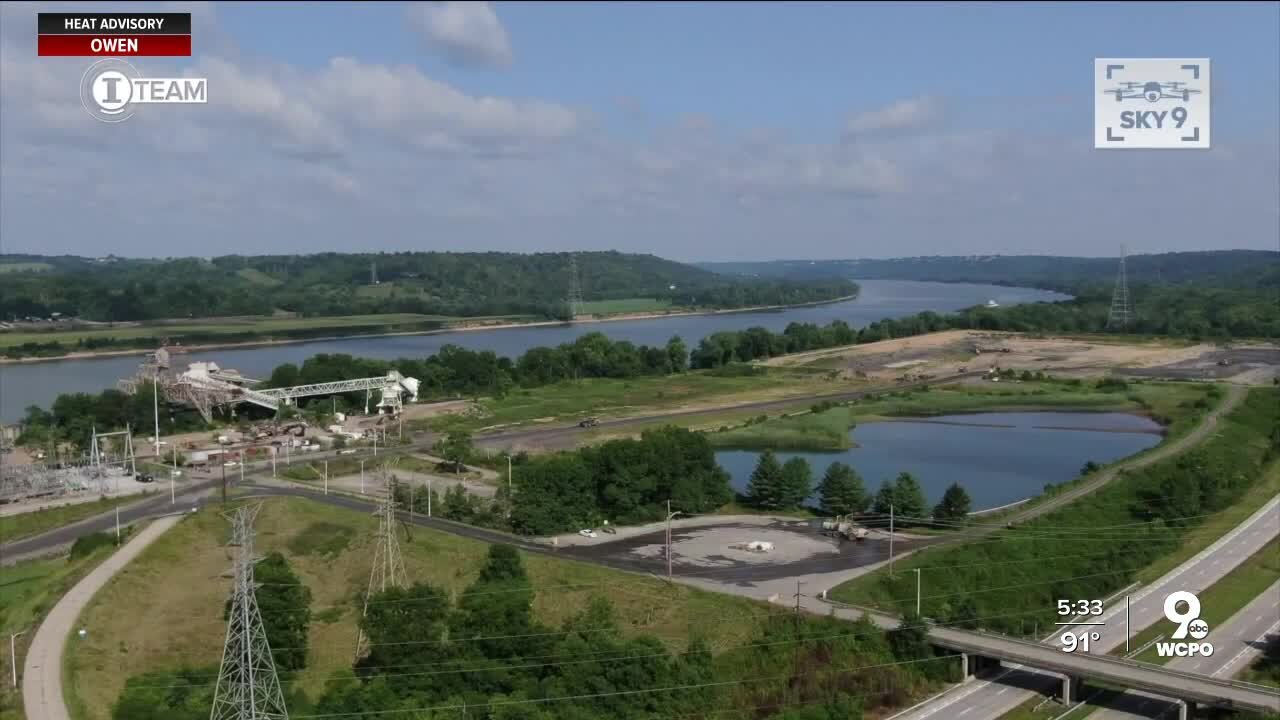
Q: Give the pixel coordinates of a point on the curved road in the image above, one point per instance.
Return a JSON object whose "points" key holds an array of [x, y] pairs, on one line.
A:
{"points": [[42, 671]]}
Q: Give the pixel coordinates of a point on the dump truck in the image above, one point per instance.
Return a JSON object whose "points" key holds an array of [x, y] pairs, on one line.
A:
{"points": [[845, 528]]}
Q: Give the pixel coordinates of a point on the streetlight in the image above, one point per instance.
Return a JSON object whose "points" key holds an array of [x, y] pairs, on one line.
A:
{"points": [[13, 655], [669, 516]]}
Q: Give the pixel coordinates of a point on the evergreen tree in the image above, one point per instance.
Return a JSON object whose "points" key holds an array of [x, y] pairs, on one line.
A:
{"points": [[955, 504], [904, 494], [886, 498], [765, 491], [285, 604], [797, 482], [910, 501], [842, 491]]}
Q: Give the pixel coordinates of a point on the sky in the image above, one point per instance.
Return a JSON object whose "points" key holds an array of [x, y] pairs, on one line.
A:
{"points": [[693, 131]]}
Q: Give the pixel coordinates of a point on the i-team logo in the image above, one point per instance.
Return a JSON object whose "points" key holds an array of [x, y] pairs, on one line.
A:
{"points": [[1189, 624], [111, 90], [1151, 103]]}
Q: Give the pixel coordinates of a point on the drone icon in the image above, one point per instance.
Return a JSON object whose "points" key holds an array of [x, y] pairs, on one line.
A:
{"points": [[1152, 91]]}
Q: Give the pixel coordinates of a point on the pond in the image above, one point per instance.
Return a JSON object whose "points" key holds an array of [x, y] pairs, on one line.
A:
{"points": [[999, 458]]}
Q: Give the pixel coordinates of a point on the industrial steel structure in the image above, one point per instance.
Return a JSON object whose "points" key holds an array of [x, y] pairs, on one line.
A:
{"points": [[109, 459], [206, 387]]}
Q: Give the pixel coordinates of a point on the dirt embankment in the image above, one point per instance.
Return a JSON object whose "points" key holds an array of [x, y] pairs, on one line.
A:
{"points": [[953, 351]]}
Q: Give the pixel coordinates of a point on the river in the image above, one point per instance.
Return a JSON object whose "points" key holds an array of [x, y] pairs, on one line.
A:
{"points": [[999, 458], [39, 383]]}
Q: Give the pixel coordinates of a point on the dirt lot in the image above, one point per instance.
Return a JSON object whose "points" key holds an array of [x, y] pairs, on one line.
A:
{"points": [[946, 353]]}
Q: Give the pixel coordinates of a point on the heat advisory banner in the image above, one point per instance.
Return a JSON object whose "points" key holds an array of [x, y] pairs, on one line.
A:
{"points": [[114, 34]]}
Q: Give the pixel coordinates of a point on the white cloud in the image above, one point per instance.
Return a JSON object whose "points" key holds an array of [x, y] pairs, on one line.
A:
{"points": [[466, 33], [907, 114], [352, 154]]}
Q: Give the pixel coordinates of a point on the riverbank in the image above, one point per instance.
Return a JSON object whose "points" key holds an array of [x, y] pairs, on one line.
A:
{"points": [[457, 326]]}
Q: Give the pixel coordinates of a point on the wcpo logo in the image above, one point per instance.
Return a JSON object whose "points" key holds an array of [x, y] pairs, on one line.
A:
{"points": [[112, 89], [1189, 625]]}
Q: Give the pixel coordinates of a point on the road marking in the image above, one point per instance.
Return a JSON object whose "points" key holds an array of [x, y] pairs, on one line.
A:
{"points": [[963, 711], [1003, 690]]}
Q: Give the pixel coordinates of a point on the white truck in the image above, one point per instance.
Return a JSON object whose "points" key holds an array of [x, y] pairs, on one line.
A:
{"points": [[844, 527]]}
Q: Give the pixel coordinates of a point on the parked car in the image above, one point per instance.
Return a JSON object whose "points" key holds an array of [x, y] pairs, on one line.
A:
{"points": [[589, 422], [587, 533], [144, 478], [348, 451]]}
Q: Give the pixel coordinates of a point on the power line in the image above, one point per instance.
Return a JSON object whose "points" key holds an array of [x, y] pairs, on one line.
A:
{"points": [[247, 686], [387, 570], [1121, 310]]}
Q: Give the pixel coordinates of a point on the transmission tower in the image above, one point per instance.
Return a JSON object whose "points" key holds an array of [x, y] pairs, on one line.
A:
{"points": [[575, 288], [248, 688], [388, 564], [1121, 311]]}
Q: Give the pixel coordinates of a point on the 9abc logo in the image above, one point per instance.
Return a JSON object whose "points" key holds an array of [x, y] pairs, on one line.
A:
{"points": [[1189, 624]]}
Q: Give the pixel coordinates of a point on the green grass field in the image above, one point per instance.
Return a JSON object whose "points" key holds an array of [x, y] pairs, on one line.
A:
{"points": [[625, 305], [176, 585], [24, 267], [221, 326], [829, 429], [257, 277], [615, 398], [14, 527]]}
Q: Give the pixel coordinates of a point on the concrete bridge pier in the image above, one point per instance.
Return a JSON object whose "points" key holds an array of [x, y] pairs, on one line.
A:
{"points": [[1186, 709], [972, 665], [1072, 689]]}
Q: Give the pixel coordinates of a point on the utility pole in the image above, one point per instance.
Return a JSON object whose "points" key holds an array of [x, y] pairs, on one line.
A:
{"points": [[890, 539], [326, 477], [429, 495], [273, 461], [248, 687], [509, 481], [155, 406], [362, 477], [117, 524], [917, 592], [223, 458]]}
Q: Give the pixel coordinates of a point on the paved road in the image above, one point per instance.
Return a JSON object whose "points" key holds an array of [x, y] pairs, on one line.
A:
{"points": [[1236, 644], [42, 672]]}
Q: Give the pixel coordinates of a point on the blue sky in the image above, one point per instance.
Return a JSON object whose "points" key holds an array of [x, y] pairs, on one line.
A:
{"points": [[690, 130]]}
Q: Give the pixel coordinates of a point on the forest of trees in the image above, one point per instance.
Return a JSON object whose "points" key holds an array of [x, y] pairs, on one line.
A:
{"points": [[1210, 268], [624, 481], [488, 657], [432, 283]]}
